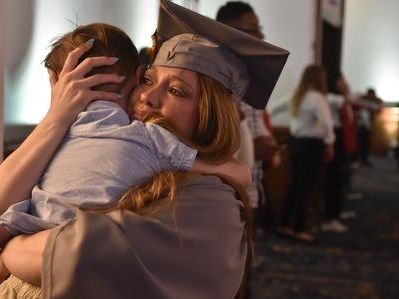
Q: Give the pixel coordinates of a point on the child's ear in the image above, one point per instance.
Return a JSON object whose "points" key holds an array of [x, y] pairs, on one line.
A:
{"points": [[138, 73], [131, 82], [52, 77]]}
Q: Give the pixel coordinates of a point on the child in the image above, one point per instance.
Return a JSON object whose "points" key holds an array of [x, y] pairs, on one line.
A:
{"points": [[103, 154]]}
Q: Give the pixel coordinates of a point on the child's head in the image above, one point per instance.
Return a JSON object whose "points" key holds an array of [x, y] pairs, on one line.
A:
{"points": [[108, 41]]}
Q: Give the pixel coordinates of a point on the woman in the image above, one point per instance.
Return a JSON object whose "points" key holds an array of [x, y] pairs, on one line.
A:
{"points": [[178, 94], [338, 169], [173, 241], [311, 145]]}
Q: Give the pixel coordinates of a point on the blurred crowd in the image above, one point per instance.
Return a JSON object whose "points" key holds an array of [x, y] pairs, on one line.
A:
{"points": [[329, 132]]}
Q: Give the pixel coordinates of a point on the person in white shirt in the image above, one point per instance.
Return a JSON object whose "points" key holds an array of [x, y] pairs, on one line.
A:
{"points": [[337, 174], [367, 106], [311, 145]]}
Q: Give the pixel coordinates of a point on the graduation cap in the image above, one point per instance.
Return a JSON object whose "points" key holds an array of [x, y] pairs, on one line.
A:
{"points": [[206, 46]]}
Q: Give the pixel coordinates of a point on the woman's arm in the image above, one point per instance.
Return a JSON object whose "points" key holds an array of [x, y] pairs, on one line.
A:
{"points": [[324, 117], [70, 95], [20, 172], [78, 263]]}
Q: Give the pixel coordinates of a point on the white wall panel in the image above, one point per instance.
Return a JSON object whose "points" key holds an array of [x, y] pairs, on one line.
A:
{"points": [[371, 46], [32, 24], [30, 27]]}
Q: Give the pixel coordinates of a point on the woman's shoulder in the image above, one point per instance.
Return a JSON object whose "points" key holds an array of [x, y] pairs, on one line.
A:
{"points": [[313, 99], [313, 95], [208, 189], [206, 181], [208, 197], [335, 99]]}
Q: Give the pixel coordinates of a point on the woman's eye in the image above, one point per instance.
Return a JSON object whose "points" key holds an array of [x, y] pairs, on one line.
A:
{"points": [[176, 92], [145, 80]]}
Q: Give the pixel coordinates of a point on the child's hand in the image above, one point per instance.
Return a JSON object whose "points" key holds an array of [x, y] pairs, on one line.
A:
{"points": [[4, 273], [234, 168]]}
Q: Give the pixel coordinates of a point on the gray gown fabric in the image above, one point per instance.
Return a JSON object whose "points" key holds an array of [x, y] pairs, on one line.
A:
{"points": [[196, 250]]}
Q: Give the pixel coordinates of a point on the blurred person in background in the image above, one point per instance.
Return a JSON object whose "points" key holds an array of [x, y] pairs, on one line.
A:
{"points": [[311, 145], [367, 107], [338, 169]]}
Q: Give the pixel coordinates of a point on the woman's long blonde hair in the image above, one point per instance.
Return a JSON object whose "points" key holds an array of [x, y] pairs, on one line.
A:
{"points": [[216, 138], [313, 78]]}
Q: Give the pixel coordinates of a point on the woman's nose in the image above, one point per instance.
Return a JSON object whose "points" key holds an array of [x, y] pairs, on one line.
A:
{"points": [[151, 98]]}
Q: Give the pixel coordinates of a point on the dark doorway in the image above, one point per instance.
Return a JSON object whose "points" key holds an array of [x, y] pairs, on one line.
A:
{"points": [[331, 41]]}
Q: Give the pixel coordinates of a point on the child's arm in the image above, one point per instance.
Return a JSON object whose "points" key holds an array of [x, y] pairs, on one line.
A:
{"points": [[21, 170], [239, 171]]}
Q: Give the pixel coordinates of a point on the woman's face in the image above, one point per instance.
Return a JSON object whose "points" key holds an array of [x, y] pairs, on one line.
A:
{"points": [[342, 85], [171, 92]]}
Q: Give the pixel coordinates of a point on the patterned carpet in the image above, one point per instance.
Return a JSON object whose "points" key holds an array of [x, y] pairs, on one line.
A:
{"points": [[360, 264]]}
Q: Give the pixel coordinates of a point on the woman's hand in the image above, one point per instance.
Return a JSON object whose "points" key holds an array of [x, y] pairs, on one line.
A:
{"points": [[71, 93], [329, 152], [23, 256], [233, 168]]}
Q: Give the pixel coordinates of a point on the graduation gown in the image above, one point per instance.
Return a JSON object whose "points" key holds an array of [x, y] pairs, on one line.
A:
{"points": [[197, 249]]}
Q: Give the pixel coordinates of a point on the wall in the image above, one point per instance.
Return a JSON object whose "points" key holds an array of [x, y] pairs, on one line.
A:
{"points": [[371, 47], [28, 35], [288, 24]]}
